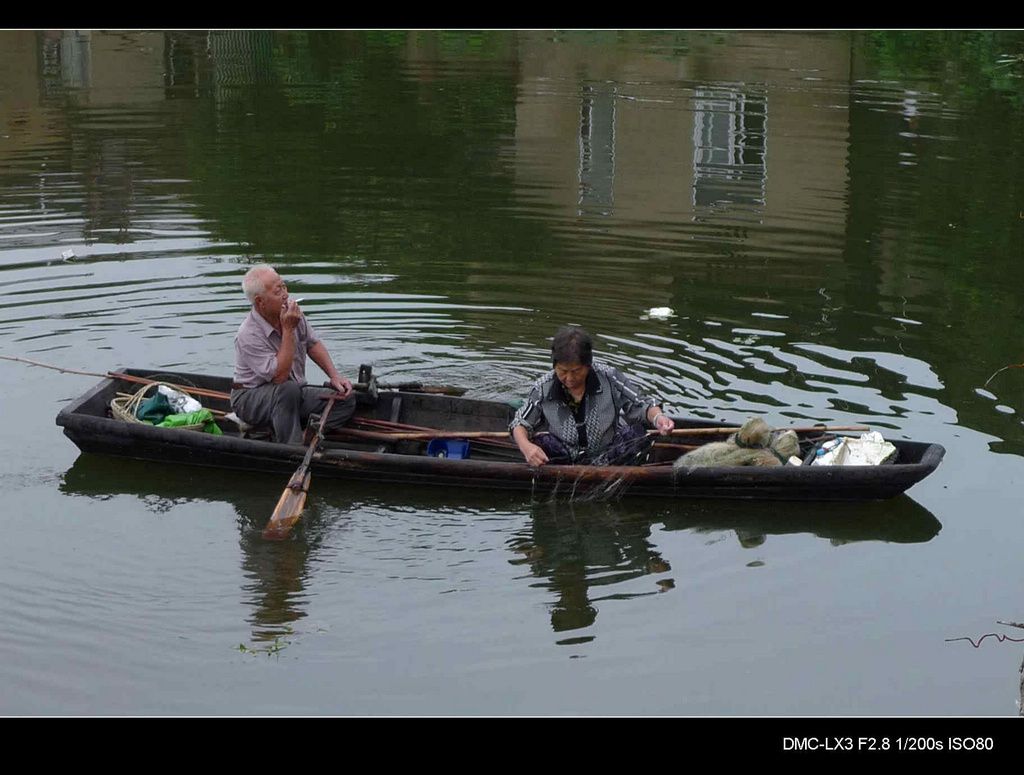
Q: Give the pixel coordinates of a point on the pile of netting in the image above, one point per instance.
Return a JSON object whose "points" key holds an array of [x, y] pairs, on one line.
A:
{"points": [[755, 444]]}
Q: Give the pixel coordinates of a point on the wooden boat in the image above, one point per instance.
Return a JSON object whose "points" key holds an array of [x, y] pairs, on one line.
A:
{"points": [[370, 452]]}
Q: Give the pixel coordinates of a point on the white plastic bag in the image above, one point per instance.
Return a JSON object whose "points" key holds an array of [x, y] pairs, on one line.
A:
{"points": [[869, 450], [181, 403]]}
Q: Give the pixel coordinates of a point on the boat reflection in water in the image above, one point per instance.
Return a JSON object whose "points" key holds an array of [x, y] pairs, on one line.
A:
{"points": [[582, 551]]}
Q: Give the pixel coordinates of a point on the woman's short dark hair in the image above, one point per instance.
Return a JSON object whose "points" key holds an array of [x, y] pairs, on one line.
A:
{"points": [[572, 345]]}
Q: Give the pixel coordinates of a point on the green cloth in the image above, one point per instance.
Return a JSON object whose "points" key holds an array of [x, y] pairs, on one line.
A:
{"points": [[154, 409], [192, 418]]}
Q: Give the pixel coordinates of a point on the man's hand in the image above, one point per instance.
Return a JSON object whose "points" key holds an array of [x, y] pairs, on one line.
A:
{"points": [[342, 385], [291, 315]]}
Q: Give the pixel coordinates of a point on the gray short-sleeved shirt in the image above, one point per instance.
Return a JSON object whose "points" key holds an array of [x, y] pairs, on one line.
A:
{"points": [[256, 346]]}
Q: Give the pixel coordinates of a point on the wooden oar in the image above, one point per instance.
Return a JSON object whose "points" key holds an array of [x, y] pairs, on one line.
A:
{"points": [[293, 499]]}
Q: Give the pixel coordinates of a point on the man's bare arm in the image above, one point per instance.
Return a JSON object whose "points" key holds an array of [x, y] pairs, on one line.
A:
{"points": [[322, 359]]}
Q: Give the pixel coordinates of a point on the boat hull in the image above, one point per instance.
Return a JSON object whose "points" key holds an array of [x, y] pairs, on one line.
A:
{"points": [[86, 423]]}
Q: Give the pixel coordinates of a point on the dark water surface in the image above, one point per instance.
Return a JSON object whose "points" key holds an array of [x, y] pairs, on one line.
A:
{"points": [[835, 221]]}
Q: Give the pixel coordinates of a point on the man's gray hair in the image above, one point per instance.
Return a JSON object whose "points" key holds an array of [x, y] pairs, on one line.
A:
{"points": [[255, 281]]}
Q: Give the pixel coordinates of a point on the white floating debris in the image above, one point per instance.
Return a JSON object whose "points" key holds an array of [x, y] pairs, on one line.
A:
{"points": [[68, 254], [658, 313], [985, 394]]}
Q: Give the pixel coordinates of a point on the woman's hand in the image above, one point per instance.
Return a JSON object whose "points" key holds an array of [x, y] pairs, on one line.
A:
{"points": [[665, 424], [534, 455], [660, 420]]}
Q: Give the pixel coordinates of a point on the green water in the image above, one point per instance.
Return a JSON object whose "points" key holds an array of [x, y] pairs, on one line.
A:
{"points": [[833, 220]]}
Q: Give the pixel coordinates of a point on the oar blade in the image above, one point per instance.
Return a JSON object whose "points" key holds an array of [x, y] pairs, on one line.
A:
{"points": [[289, 508]]}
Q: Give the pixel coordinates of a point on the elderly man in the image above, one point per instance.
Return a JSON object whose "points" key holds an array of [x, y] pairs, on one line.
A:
{"points": [[270, 363]]}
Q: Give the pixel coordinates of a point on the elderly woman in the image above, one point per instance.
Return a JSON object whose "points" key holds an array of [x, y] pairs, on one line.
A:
{"points": [[592, 413]]}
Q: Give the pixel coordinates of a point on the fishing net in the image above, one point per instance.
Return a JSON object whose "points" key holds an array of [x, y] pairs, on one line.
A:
{"points": [[755, 444], [628, 447]]}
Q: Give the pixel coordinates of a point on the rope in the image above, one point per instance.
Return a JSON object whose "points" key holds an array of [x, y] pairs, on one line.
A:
{"points": [[127, 407]]}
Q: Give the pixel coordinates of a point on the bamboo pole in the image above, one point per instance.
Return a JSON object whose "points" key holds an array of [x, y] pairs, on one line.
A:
{"points": [[48, 366], [416, 387], [424, 434], [439, 434], [126, 377], [805, 429]]}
